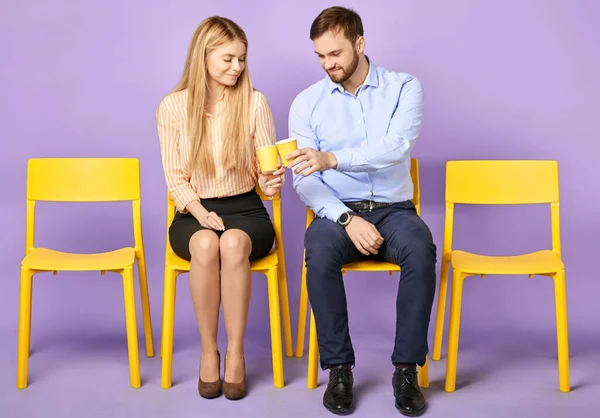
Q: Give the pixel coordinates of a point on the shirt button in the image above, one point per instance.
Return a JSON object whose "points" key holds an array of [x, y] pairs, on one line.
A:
{"points": [[358, 121], [362, 144], [367, 186]]}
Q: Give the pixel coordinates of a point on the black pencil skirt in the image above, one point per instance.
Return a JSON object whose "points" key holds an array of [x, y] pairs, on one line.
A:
{"points": [[245, 212]]}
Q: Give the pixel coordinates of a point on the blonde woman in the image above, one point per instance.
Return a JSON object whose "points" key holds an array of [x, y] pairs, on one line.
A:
{"points": [[209, 128]]}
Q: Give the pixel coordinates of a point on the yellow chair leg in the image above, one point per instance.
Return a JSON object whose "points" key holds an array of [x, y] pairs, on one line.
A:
{"points": [[162, 315], [145, 305], [285, 309], [424, 374], [562, 333], [313, 354], [162, 327], [130, 320], [441, 309], [453, 331], [24, 327], [30, 307], [276, 349], [302, 314], [168, 315]]}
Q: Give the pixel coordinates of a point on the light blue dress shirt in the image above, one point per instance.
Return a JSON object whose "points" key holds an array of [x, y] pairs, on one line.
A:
{"points": [[371, 134]]}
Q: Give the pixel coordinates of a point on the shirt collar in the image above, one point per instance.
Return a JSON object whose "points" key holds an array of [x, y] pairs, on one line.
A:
{"points": [[371, 80]]}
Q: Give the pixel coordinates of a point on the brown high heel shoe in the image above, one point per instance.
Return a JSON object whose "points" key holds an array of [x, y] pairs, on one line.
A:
{"points": [[234, 391], [210, 390]]}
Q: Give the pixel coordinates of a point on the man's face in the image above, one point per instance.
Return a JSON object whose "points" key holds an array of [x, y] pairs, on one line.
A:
{"points": [[337, 55]]}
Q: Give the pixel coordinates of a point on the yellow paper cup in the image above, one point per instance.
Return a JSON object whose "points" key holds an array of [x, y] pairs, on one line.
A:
{"points": [[267, 158], [286, 146]]}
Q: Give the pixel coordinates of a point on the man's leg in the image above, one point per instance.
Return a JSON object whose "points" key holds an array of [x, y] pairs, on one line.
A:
{"points": [[328, 248], [408, 243]]}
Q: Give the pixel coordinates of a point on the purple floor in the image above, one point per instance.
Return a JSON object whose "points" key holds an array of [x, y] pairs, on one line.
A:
{"points": [[85, 374]]}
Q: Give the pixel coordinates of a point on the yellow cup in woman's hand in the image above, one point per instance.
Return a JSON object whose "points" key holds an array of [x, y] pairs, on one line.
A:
{"points": [[267, 158], [285, 147]]}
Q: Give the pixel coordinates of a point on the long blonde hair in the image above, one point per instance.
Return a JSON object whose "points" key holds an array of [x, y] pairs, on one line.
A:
{"points": [[212, 33]]}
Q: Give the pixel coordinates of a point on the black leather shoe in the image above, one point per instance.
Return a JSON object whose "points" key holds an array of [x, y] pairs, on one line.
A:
{"points": [[338, 397], [409, 398]]}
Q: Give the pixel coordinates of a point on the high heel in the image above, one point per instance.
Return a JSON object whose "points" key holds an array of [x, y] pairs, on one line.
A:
{"points": [[234, 391], [210, 390]]}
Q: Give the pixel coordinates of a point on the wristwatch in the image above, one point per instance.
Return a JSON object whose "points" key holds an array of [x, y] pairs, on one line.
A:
{"points": [[345, 218]]}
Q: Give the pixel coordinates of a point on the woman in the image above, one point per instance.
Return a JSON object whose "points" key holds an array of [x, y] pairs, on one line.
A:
{"points": [[209, 128]]}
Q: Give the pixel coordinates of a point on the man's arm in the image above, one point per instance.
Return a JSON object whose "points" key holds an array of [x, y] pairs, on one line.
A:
{"points": [[402, 134], [312, 191]]}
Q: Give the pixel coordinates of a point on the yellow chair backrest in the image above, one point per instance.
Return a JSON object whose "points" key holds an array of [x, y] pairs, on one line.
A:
{"points": [[276, 217], [83, 180], [414, 175], [502, 182]]}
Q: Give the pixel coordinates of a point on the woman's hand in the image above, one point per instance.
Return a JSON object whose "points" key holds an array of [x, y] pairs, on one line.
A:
{"points": [[213, 221], [271, 184]]}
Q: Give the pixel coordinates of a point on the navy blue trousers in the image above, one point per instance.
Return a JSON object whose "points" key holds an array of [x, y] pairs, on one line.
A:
{"points": [[407, 243]]}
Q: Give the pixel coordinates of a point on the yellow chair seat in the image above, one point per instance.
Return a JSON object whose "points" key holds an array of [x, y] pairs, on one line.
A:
{"points": [[47, 259], [539, 262], [264, 263], [371, 265]]}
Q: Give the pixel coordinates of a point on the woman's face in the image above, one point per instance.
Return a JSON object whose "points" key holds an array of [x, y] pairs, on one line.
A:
{"points": [[226, 64]]}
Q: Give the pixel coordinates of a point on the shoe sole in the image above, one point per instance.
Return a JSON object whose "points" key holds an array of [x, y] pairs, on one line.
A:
{"points": [[211, 397], [340, 411], [412, 414], [235, 398]]}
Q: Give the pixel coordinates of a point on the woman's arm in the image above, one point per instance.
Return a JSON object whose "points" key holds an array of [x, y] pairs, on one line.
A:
{"points": [[264, 134], [178, 182]]}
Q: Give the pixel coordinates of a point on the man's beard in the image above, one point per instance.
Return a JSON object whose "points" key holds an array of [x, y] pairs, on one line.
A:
{"points": [[345, 73]]}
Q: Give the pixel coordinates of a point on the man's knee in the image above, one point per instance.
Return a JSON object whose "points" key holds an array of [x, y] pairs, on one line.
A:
{"points": [[324, 240], [422, 247]]}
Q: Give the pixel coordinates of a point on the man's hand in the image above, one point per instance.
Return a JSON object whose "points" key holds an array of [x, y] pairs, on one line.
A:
{"points": [[309, 160], [364, 235]]}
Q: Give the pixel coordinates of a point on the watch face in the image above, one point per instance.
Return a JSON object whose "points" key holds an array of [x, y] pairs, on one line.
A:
{"points": [[344, 217]]}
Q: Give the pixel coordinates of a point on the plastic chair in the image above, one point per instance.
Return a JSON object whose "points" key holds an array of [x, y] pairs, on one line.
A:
{"points": [[272, 265], [85, 180], [500, 183], [364, 266]]}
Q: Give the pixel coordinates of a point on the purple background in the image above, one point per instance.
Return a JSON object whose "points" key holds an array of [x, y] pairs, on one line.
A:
{"points": [[503, 80]]}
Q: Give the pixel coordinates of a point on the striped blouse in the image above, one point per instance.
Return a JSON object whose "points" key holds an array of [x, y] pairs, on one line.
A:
{"points": [[186, 186]]}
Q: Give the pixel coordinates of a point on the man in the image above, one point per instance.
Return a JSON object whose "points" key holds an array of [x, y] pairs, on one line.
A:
{"points": [[355, 130]]}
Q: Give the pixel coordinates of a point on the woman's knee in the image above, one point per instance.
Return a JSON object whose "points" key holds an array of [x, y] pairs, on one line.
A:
{"points": [[235, 246], [204, 247]]}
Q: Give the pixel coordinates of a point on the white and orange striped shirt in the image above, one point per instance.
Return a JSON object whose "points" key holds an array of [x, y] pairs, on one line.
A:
{"points": [[186, 186]]}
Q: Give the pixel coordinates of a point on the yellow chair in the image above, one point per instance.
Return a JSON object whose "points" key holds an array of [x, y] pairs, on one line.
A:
{"points": [[364, 265], [85, 180], [500, 183], [272, 265]]}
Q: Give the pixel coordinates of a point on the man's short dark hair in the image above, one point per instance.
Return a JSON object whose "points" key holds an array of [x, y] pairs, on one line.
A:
{"points": [[336, 19]]}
